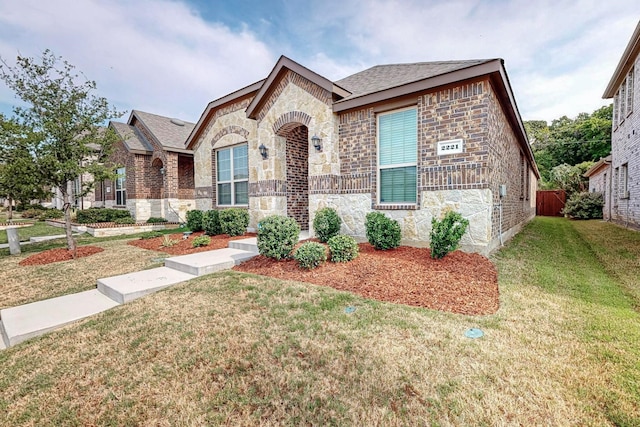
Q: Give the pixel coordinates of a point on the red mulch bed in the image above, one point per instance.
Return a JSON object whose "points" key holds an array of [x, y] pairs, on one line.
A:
{"points": [[184, 246], [57, 255], [460, 282]]}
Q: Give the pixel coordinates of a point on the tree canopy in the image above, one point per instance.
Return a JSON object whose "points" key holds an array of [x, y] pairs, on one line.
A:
{"points": [[62, 124], [586, 138]]}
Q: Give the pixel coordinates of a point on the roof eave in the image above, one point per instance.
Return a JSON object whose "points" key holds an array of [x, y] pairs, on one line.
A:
{"points": [[233, 96], [419, 85], [626, 62], [286, 63]]}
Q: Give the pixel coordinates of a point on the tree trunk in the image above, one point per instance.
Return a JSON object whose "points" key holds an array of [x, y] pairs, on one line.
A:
{"points": [[66, 206], [10, 213]]}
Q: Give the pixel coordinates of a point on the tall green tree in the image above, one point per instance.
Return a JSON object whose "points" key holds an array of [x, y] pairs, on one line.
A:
{"points": [[568, 141], [65, 120], [19, 174]]}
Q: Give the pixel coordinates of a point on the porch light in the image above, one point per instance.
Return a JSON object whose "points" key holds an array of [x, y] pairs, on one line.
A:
{"points": [[161, 171], [315, 140], [263, 151]]}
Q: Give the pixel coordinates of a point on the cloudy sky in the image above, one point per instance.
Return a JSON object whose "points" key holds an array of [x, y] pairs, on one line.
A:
{"points": [[171, 57]]}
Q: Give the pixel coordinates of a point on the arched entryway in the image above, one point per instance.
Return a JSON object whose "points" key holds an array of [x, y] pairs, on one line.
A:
{"points": [[156, 189], [297, 172]]}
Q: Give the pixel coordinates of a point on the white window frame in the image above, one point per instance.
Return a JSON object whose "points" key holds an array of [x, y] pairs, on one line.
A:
{"points": [[630, 78], [624, 181], [121, 187], [380, 167], [231, 181]]}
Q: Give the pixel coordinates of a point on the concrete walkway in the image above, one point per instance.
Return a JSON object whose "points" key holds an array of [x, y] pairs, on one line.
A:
{"points": [[20, 323]]}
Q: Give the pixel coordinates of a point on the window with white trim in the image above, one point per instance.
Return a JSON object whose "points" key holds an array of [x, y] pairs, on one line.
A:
{"points": [[616, 106], [121, 187], [623, 101], [624, 182], [232, 165], [397, 157]]}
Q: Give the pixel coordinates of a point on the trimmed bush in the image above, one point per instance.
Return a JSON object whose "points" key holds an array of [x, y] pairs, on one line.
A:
{"points": [[310, 255], [50, 214], [194, 220], [446, 234], [125, 220], [277, 235], [211, 223], [383, 233], [156, 220], [150, 235], [343, 248], [234, 221], [201, 241], [31, 213], [584, 205], [96, 215], [326, 224]]}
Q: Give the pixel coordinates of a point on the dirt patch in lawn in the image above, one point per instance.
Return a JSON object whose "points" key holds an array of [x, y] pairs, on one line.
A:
{"points": [[460, 282], [185, 246], [57, 255]]}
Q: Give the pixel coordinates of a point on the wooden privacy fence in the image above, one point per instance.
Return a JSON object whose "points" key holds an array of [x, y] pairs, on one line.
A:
{"points": [[550, 202]]}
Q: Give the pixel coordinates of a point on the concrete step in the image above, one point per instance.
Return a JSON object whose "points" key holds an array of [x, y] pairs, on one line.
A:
{"points": [[30, 320], [202, 263], [250, 244], [3, 337], [127, 287]]}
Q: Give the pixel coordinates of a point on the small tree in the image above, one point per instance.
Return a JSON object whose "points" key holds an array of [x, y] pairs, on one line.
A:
{"points": [[65, 121]]}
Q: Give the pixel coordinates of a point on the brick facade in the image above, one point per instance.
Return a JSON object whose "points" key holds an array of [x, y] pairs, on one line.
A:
{"points": [[625, 154], [296, 179]]}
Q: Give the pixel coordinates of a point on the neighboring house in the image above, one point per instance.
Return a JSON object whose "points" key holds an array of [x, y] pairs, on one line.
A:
{"points": [[155, 177], [600, 181], [409, 140], [625, 137]]}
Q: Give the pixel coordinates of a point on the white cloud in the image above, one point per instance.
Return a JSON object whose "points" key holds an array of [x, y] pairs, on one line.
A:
{"points": [[153, 55]]}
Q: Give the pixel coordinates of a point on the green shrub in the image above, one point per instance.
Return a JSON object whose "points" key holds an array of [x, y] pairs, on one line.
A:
{"points": [[201, 241], [446, 234], [150, 235], [125, 220], [584, 205], [31, 213], [50, 214], [326, 224], [95, 215], [234, 221], [277, 235], [194, 220], [211, 223], [310, 255], [383, 233], [156, 220], [167, 241], [343, 248]]}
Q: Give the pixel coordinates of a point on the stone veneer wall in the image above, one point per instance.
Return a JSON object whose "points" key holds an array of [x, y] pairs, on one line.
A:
{"points": [[625, 149]]}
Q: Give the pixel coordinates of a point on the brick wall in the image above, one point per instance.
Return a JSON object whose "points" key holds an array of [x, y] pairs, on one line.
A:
{"points": [[625, 150], [297, 155]]}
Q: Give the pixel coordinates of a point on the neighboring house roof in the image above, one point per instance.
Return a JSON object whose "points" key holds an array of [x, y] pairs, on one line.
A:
{"points": [[625, 64], [132, 138], [598, 166], [170, 133]]}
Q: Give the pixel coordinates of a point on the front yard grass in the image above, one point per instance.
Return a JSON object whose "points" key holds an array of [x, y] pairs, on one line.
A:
{"points": [[39, 228], [238, 349]]}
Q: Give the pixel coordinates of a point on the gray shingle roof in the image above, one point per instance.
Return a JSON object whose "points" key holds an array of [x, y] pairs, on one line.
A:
{"points": [[131, 137], [170, 133], [383, 77]]}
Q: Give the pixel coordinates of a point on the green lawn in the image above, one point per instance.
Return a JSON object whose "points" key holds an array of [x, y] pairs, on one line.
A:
{"points": [[39, 228], [238, 349]]}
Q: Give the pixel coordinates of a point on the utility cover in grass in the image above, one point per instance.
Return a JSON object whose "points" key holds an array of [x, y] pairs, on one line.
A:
{"points": [[474, 333]]}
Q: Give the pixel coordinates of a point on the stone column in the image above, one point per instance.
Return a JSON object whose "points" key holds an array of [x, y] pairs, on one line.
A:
{"points": [[14, 240]]}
